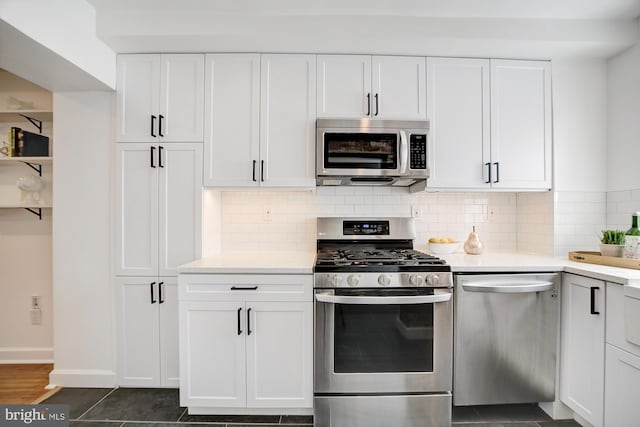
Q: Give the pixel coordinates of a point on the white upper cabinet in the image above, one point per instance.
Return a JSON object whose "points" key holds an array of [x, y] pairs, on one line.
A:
{"points": [[260, 121], [287, 121], [159, 207], [490, 124], [362, 86], [160, 98], [458, 112], [520, 124]]}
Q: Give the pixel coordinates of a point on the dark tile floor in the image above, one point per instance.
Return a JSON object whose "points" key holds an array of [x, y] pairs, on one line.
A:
{"points": [[131, 407]]}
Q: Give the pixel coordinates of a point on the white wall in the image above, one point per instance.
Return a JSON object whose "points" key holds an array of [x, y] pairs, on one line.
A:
{"points": [[66, 27], [623, 100], [83, 334]]}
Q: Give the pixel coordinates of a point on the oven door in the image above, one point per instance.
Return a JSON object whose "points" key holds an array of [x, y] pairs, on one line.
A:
{"points": [[383, 340], [376, 152]]}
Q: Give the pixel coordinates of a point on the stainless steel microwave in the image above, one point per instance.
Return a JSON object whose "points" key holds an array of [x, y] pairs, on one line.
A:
{"points": [[372, 152]]}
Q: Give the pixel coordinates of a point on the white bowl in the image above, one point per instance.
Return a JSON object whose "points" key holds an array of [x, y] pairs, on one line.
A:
{"points": [[443, 248]]}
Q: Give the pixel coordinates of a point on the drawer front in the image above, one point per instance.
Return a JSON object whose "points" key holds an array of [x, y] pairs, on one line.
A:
{"points": [[622, 387], [245, 287], [622, 329]]}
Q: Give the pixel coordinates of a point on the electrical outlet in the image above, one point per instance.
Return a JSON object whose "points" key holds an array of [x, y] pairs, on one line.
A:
{"points": [[35, 301], [267, 214], [36, 316], [416, 211]]}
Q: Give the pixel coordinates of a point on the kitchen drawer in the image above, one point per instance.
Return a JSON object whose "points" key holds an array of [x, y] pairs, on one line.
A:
{"points": [[622, 387], [250, 287], [620, 331]]}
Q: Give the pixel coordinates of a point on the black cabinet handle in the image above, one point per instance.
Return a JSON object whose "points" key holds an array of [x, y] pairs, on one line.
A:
{"points": [[376, 97], [236, 288], [249, 322], [153, 126], [488, 165], [160, 148], [593, 299], [254, 171], [152, 153], [160, 117], [368, 104], [153, 297], [239, 330], [497, 172], [262, 170], [160, 296]]}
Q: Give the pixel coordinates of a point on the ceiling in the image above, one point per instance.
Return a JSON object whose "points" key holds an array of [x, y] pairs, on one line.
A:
{"points": [[536, 29]]}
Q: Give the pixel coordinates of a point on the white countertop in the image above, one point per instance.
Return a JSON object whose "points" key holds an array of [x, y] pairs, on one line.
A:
{"points": [[519, 262], [253, 262], [290, 262]]}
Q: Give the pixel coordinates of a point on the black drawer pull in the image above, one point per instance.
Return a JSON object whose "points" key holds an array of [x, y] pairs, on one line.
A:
{"points": [[153, 297], [242, 288], [593, 299], [239, 330], [249, 322]]}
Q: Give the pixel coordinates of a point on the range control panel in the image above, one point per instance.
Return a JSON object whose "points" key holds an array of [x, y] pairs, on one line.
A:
{"points": [[359, 228], [418, 151]]}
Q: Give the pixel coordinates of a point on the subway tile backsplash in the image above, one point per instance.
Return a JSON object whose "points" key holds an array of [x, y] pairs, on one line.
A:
{"points": [[548, 223]]}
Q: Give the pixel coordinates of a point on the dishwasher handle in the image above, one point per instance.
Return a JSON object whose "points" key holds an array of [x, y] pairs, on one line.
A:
{"points": [[518, 288]]}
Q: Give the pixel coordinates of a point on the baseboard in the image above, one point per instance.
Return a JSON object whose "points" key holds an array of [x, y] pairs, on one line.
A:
{"points": [[557, 410], [24, 355], [92, 378]]}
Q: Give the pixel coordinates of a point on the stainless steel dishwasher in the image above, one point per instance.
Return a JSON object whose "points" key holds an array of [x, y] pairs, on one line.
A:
{"points": [[505, 338]]}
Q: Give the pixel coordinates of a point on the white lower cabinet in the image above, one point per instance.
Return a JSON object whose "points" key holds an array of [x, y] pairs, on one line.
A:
{"points": [[622, 379], [148, 331], [582, 347], [246, 341]]}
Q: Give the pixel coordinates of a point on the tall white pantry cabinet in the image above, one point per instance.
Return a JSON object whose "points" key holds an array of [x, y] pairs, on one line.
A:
{"points": [[158, 207]]}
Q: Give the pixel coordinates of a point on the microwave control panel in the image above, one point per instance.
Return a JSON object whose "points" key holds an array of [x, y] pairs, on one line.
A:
{"points": [[418, 151]]}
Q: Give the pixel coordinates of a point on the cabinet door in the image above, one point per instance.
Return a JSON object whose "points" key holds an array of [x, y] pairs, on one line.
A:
{"points": [[458, 111], [138, 80], [279, 355], [138, 331], [182, 98], [398, 88], [232, 120], [344, 86], [622, 388], [212, 354], [180, 205], [169, 348], [521, 124], [136, 210], [287, 121], [582, 364]]}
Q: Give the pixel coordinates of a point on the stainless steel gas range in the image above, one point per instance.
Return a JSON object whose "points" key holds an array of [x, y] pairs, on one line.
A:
{"points": [[383, 327]]}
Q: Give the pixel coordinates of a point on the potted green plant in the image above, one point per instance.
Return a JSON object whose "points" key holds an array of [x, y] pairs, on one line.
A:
{"points": [[612, 243]]}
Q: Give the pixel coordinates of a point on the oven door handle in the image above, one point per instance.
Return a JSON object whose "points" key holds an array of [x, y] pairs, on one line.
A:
{"points": [[417, 299], [516, 288], [404, 152]]}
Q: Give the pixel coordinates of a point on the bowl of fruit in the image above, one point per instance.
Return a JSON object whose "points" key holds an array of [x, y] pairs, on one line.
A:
{"points": [[443, 245]]}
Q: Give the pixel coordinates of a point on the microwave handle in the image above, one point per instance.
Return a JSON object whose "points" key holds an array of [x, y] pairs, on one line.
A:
{"points": [[404, 151]]}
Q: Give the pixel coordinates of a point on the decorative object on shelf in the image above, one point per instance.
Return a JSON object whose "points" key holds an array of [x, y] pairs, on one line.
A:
{"points": [[30, 187], [612, 243], [632, 239], [473, 245], [4, 150], [23, 143], [14, 103]]}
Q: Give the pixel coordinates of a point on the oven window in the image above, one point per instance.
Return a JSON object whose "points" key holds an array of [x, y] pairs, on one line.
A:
{"points": [[360, 150], [383, 338]]}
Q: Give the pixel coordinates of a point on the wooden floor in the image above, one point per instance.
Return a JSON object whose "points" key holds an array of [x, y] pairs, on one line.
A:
{"points": [[24, 383]]}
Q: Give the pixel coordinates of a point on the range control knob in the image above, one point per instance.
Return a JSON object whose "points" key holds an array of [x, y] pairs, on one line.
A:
{"points": [[384, 280], [353, 280], [335, 280], [416, 280], [432, 279]]}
